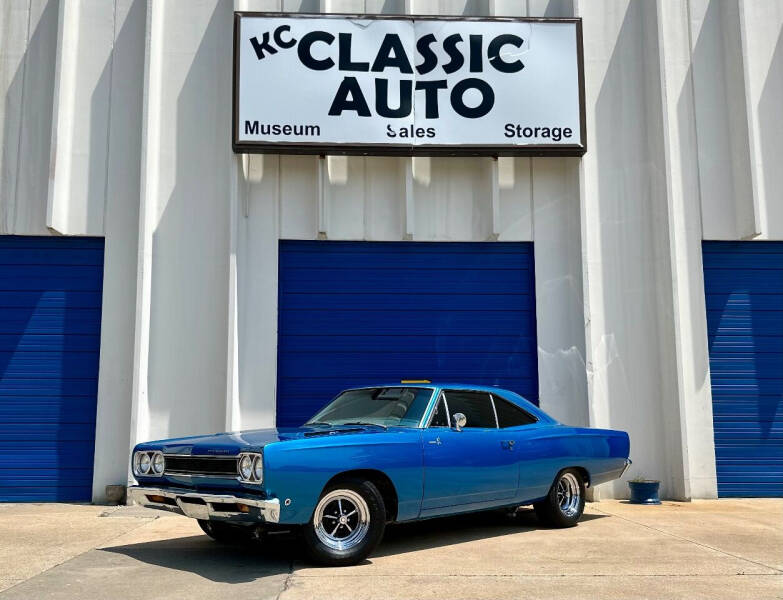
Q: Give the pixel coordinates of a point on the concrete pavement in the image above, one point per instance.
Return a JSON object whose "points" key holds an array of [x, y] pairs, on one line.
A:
{"points": [[702, 549]]}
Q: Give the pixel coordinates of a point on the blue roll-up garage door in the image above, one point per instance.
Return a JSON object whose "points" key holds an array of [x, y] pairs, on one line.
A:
{"points": [[744, 292], [50, 314], [362, 313]]}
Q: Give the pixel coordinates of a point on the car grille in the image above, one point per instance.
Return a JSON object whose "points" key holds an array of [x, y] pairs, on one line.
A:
{"points": [[216, 466]]}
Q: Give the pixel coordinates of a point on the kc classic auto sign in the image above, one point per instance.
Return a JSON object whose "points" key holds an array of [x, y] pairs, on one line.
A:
{"points": [[346, 84]]}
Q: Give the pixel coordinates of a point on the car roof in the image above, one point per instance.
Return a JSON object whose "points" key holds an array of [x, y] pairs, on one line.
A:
{"points": [[440, 385]]}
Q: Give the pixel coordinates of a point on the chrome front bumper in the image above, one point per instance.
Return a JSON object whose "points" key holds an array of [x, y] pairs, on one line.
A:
{"points": [[197, 505]]}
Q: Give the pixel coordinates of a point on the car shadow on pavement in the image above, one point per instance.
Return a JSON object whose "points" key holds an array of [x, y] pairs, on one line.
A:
{"points": [[446, 531], [224, 563], [277, 554]]}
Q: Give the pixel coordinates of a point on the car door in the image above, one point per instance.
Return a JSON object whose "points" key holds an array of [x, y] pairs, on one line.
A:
{"points": [[533, 455], [474, 466]]}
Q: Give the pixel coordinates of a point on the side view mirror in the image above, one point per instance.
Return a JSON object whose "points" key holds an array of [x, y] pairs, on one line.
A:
{"points": [[458, 421]]}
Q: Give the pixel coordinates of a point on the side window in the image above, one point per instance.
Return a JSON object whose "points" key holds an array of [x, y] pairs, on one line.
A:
{"points": [[439, 416], [510, 415], [476, 406]]}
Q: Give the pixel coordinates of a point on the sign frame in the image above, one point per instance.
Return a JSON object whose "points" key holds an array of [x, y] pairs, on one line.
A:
{"points": [[364, 149]]}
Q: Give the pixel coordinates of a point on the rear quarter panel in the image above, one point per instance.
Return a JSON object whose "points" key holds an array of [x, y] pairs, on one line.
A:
{"points": [[548, 449], [299, 469]]}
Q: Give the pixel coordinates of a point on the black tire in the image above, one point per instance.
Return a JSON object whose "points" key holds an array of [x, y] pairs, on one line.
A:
{"points": [[369, 523], [225, 532], [560, 508]]}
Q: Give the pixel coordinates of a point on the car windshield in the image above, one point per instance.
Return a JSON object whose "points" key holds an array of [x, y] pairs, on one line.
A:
{"points": [[385, 407]]}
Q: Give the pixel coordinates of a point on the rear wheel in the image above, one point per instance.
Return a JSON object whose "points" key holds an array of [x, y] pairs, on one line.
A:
{"points": [[565, 503], [225, 532], [347, 524]]}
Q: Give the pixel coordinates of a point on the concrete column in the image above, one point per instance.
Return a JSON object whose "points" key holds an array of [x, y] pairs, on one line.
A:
{"points": [[121, 220], [761, 28], [691, 415], [562, 380], [28, 53], [721, 118], [80, 122], [153, 72], [625, 258], [180, 355]]}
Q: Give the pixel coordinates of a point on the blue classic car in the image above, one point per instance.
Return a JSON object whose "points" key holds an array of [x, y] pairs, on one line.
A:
{"points": [[378, 455]]}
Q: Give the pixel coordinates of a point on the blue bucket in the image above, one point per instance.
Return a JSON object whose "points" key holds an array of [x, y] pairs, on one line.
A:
{"points": [[644, 492]]}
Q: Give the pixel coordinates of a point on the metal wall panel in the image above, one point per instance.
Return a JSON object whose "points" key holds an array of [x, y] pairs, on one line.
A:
{"points": [[744, 292], [357, 313], [50, 315]]}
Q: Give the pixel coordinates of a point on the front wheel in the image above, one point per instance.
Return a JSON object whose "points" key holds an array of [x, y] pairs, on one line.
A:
{"points": [[565, 503], [347, 523]]}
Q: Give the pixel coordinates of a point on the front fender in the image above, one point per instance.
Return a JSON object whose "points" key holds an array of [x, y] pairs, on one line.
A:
{"points": [[298, 470]]}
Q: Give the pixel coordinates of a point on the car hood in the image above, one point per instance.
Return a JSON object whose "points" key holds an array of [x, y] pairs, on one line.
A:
{"points": [[233, 442]]}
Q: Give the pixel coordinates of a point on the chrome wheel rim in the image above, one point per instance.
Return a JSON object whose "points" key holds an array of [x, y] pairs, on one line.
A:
{"points": [[341, 519], [569, 494]]}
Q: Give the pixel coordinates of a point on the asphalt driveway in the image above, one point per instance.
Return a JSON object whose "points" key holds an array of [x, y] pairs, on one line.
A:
{"points": [[702, 549]]}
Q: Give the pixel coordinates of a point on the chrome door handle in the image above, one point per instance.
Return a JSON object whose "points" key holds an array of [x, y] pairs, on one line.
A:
{"points": [[436, 441]]}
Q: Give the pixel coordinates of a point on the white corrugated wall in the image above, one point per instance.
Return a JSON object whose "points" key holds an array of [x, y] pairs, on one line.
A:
{"points": [[115, 121]]}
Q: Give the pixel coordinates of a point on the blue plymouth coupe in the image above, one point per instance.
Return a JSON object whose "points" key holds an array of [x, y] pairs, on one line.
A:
{"points": [[378, 455]]}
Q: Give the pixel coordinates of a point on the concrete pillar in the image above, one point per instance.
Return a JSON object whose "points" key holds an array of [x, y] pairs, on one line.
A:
{"points": [[624, 247], [80, 122], [761, 29], [180, 355], [687, 420], [28, 53], [121, 220]]}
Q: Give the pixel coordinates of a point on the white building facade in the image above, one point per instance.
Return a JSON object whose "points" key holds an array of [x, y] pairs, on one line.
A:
{"points": [[116, 136]]}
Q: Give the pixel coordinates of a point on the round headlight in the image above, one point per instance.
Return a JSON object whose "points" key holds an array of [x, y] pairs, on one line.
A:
{"points": [[258, 468], [158, 463], [144, 463], [245, 467]]}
